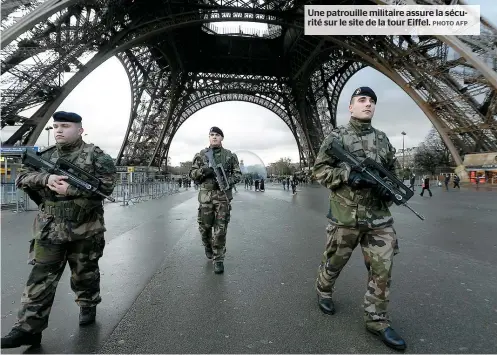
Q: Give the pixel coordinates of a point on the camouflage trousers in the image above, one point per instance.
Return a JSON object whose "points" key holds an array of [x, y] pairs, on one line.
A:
{"points": [[213, 219], [49, 263], [378, 248]]}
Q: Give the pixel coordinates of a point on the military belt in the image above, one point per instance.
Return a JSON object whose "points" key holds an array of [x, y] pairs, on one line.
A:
{"points": [[359, 199], [71, 198], [366, 200], [210, 186], [68, 210]]}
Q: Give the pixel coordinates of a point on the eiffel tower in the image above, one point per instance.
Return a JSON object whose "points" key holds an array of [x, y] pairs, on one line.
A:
{"points": [[178, 61]]}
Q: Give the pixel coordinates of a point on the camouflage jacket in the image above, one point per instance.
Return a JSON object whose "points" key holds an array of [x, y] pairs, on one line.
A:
{"points": [[355, 207], [208, 186], [79, 214]]}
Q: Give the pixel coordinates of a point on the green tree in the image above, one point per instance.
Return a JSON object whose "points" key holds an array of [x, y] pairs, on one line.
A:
{"points": [[283, 166], [185, 167]]}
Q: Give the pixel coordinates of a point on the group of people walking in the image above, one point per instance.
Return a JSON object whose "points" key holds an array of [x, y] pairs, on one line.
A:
{"points": [[70, 225], [290, 181]]}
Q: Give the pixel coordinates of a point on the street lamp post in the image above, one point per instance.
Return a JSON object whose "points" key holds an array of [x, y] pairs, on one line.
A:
{"points": [[403, 152], [48, 135]]}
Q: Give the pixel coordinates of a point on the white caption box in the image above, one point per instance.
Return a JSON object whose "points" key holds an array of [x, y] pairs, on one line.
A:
{"points": [[345, 20]]}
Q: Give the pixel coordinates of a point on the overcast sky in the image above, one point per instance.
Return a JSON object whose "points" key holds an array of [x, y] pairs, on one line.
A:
{"points": [[103, 100]]}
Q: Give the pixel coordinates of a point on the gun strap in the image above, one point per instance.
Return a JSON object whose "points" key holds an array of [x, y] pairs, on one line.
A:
{"points": [[210, 186]]}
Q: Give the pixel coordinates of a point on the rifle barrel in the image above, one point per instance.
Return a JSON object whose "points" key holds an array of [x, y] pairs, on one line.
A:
{"points": [[111, 199], [416, 213]]}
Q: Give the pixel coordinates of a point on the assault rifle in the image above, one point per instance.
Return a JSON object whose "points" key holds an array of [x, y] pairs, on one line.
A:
{"points": [[221, 178], [75, 175], [398, 192]]}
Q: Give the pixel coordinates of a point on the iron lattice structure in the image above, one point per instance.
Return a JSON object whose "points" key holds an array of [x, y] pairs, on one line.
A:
{"points": [[178, 62]]}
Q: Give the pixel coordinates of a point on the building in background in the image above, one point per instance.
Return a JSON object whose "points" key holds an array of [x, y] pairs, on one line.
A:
{"points": [[481, 166]]}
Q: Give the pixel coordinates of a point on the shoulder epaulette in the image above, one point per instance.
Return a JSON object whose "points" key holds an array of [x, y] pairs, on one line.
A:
{"points": [[98, 150], [339, 129]]}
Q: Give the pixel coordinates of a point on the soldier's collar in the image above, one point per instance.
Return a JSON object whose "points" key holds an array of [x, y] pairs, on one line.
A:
{"points": [[360, 125], [67, 147]]}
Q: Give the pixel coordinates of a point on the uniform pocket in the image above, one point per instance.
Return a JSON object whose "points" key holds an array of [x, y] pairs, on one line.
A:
{"points": [[41, 226], [343, 212], [97, 249], [205, 196], [228, 214], [199, 215], [31, 253], [206, 215]]}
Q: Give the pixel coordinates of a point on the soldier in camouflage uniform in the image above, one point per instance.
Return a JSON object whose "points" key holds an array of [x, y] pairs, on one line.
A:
{"points": [[359, 214], [69, 227], [214, 211]]}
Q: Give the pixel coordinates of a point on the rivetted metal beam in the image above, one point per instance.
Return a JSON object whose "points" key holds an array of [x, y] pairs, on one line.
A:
{"points": [[41, 13]]}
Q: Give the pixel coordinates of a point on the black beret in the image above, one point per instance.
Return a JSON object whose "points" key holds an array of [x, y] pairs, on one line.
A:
{"points": [[217, 130], [365, 91], [62, 116]]}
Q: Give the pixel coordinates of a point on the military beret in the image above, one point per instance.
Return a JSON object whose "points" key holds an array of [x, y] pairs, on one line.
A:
{"points": [[365, 91], [217, 130], [62, 116]]}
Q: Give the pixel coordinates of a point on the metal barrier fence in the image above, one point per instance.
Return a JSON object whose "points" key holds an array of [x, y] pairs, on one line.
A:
{"points": [[131, 193], [15, 199], [124, 193]]}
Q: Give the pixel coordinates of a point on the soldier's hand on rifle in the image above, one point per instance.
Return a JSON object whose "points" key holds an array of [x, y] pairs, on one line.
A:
{"points": [[360, 180], [57, 184], [209, 172], [383, 192], [55, 179]]}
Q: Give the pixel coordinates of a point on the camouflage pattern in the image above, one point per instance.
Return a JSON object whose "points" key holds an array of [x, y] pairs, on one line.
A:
{"points": [[214, 211], [358, 216], [67, 228], [355, 207], [51, 258], [80, 217], [378, 248]]}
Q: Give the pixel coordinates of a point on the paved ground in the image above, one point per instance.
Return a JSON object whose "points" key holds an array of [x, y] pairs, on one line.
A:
{"points": [[160, 294]]}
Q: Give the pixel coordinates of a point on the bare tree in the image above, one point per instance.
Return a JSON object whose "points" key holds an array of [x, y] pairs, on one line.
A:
{"points": [[432, 153]]}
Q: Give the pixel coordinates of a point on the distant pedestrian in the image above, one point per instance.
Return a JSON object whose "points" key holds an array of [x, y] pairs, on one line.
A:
{"points": [[457, 180], [412, 181], [426, 186]]}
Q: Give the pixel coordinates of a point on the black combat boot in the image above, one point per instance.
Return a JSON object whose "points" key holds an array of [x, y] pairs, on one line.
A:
{"points": [[390, 338], [87, 315], [326, 305], [218, 267], [208, 252], [17, 338]]}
